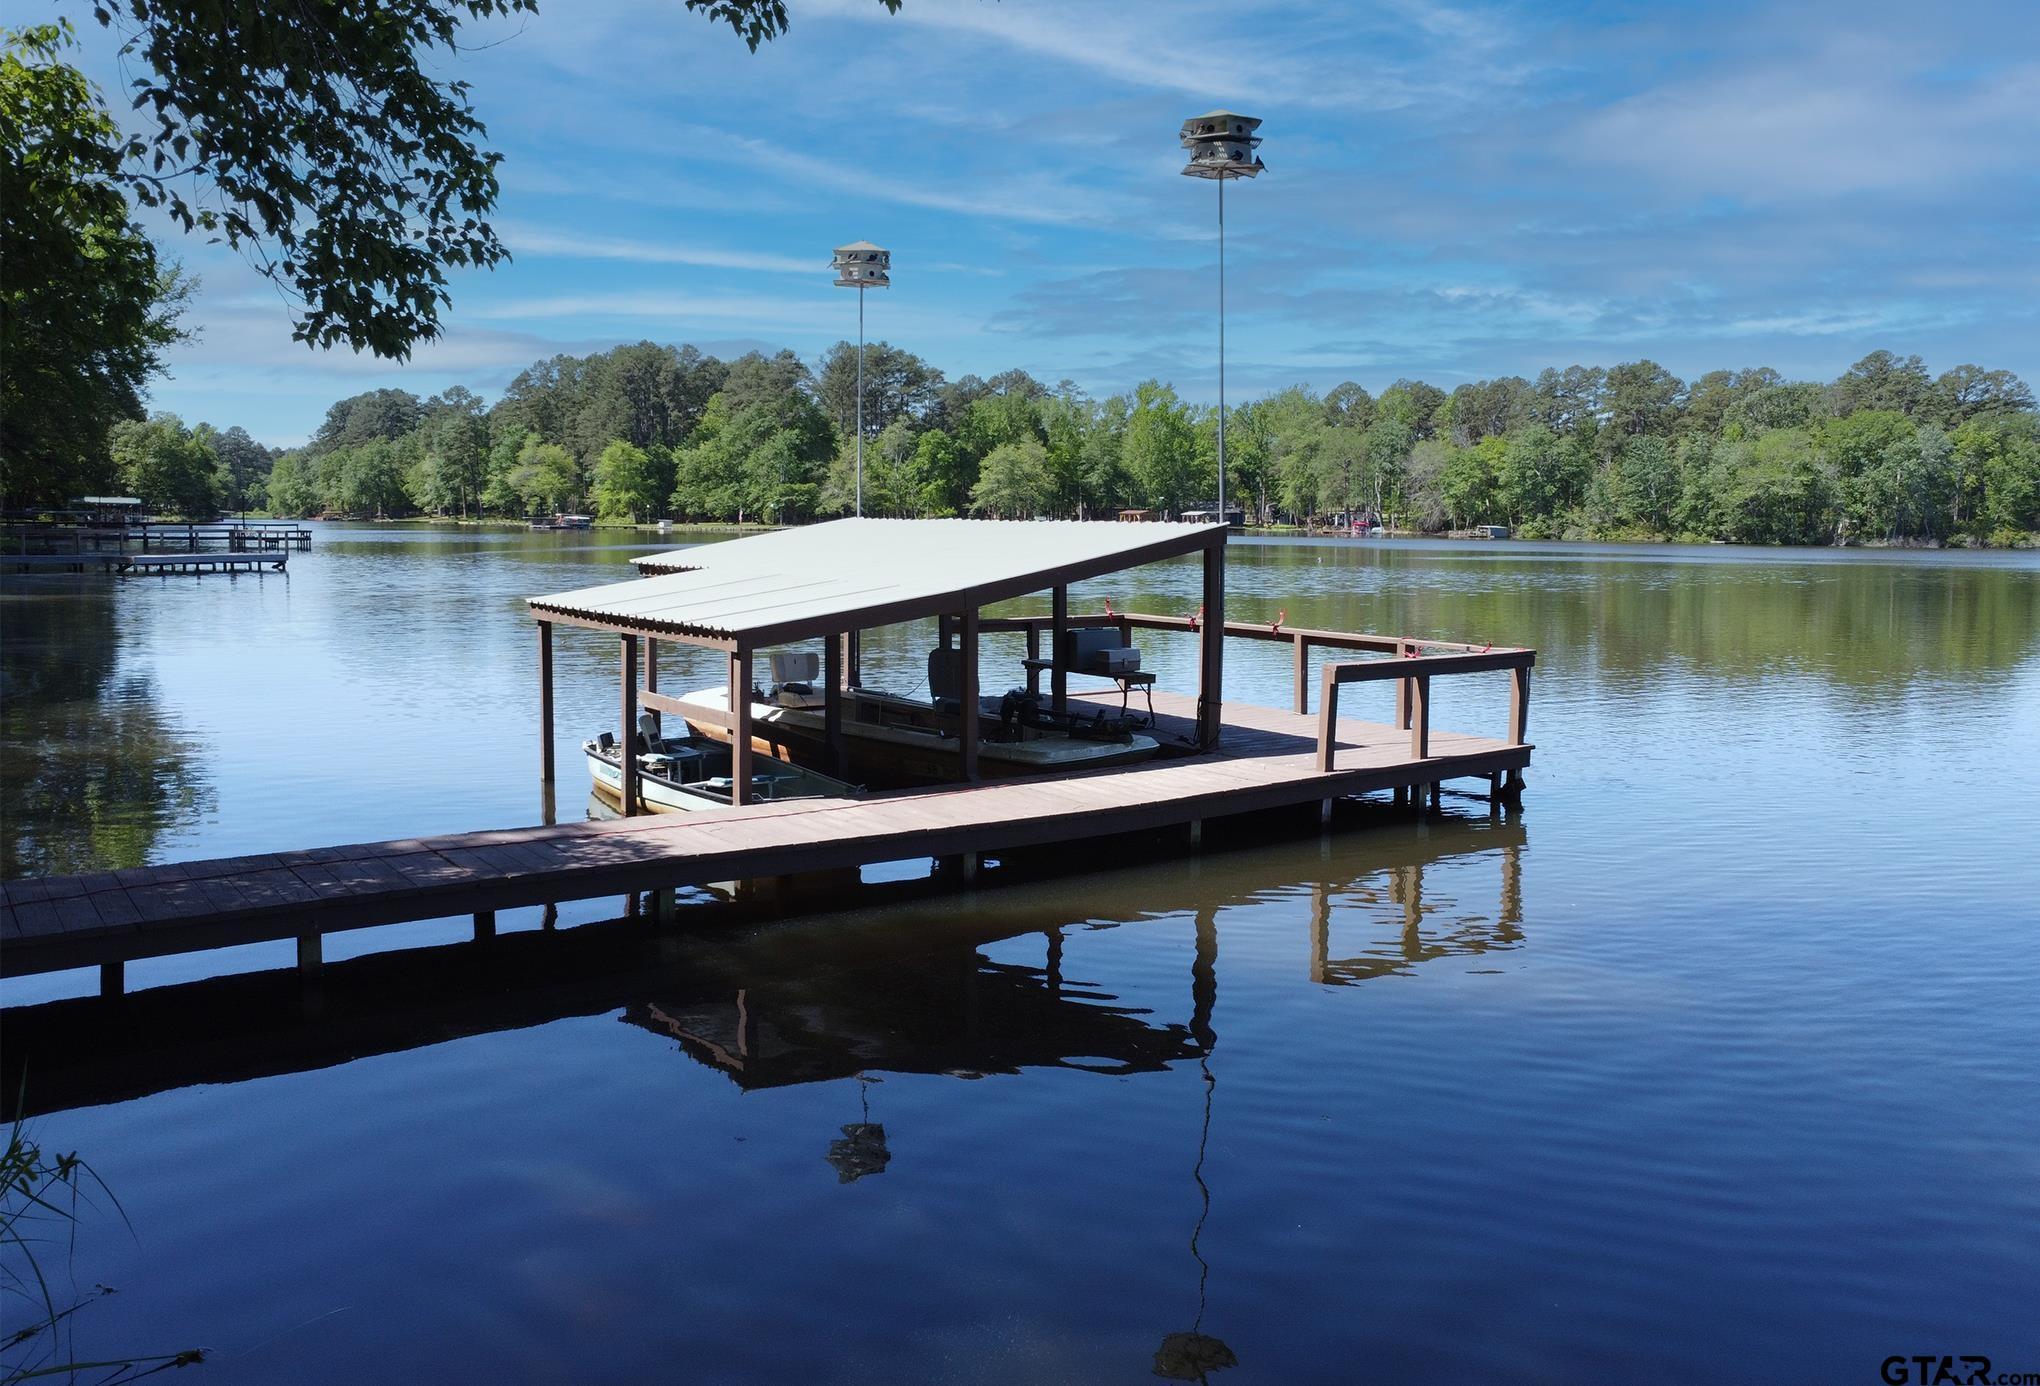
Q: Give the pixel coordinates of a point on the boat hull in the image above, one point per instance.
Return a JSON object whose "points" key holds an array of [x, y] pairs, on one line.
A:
{"points": [[657, 794], [900, 758]]}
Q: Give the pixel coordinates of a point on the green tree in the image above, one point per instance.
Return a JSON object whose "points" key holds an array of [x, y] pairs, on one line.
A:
{"points": [[1013, 482], [631, 483], [897, 385], [1651, 482], [85, 308], [1995, 486], [1569, 401], [373, 479], [1471, 481], [1882, 380], [291, 491], [891, 486], [1159, 448], [1349, 404], [1776, 490], [545, 478], [242, 464], [506, 443], [168, 466], [1531, 476], [455, 435], [942, 473], [385, 414], [1967, 391], [1413, 404], [1639, 397], [1068, 419], [1484, 408]]}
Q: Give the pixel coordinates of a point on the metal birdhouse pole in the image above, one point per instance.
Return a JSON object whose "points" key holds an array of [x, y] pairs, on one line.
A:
{"points": [[1221, 145], [860, 266]]}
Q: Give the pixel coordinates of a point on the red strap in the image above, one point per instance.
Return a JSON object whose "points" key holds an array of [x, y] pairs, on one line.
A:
{"points": [[1198, 619]]}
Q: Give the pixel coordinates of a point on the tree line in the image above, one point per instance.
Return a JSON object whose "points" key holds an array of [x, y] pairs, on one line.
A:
{"points": [[1888, 452]]}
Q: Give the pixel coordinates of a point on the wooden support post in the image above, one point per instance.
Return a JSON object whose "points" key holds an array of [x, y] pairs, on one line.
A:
{"points": [[967, 694], [1402, 689], [1324, 813], [1033, 653], [112, 978], [1420, 716], [970, 861], [545, 703], [310, 954], [1320, 931], [832, 707], [485, 925], [652, 680], [1211, 669], [626, 745], [855, 647], [1519, 705], [1058, 676], [740, 726], [1327, 720], [1301, 660], [1196, 833]]}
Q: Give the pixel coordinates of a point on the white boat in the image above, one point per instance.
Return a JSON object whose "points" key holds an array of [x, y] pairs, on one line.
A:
{"points": [[687, 774], [894, 741]]}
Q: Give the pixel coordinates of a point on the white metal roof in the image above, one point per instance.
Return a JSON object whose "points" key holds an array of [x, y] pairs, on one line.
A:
{"points": [[794, 584]]}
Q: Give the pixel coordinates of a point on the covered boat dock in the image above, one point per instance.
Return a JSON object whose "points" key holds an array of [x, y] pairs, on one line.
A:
{"points": [[833, 581]]}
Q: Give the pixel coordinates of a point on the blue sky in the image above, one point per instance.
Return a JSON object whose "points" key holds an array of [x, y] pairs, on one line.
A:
{"points": [[1454, 191]]}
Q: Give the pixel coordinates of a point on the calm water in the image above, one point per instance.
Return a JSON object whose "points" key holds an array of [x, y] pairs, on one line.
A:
{"points": [[1717, 1062]]}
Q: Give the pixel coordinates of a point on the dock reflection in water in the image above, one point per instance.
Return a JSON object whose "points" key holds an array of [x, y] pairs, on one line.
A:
{"points": [[899, 982], [1114, 975]]}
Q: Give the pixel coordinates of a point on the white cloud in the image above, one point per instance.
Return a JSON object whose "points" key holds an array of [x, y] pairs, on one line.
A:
{"points": [[1850, 116], [530, 240]]}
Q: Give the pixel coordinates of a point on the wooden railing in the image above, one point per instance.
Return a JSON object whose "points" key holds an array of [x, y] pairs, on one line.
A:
{"points": [[1300, 639], [1413, 697]]}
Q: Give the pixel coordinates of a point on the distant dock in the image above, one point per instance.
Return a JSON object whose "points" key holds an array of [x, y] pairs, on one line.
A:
{"points": [[165, 564], [134, 564], [43, 543]]}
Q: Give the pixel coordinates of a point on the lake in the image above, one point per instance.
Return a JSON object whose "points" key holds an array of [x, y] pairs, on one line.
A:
{"points": [[1716, 1061]]}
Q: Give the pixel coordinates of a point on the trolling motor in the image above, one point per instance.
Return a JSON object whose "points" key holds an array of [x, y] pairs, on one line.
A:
{"points": [[1019, 708]]}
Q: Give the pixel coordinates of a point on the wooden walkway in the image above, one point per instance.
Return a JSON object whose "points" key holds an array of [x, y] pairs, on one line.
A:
{"points": [[1266, 759]]}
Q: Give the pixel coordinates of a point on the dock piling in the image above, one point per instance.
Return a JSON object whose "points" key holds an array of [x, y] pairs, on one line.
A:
{"points": [[545, 702]]}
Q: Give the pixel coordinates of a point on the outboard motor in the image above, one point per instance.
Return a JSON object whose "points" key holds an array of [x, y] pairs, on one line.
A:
{"points": [[1019, 708]]}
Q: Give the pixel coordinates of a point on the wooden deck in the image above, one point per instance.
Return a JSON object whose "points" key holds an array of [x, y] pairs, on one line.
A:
{"points": [[1266, 759]]}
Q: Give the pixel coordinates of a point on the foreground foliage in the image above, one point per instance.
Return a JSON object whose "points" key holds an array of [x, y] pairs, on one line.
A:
{"points": [[40, 1196], [85, 307]]}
